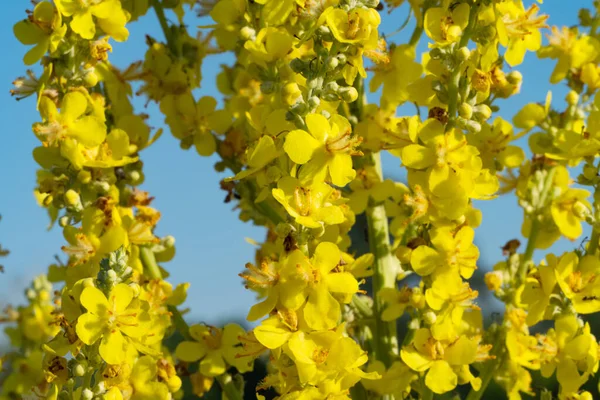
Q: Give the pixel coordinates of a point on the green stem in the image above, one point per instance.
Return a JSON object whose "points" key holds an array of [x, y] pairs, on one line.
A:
{"points": [[384, 276], [162, 20], [416, 35], [228, 387], [149, 262]]}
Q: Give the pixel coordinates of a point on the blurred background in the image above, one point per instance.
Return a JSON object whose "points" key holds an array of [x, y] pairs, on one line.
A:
{"points": [[210, 240]]}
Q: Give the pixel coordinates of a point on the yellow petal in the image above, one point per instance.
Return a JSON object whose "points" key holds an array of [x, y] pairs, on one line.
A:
{"points": [[113, 347], [300, 146], [441, 378]]}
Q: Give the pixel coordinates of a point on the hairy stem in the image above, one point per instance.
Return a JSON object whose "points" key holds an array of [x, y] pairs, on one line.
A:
{"points": [[228, 386], [386, 340], [162, 20]]}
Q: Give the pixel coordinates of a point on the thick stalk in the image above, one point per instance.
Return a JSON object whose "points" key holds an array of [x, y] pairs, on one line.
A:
{"points": [[162, 20], [386, 340]]}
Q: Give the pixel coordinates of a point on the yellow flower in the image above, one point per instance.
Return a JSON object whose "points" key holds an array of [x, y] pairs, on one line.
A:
{"points": [[493, 142], [43, 28], [108, 319], [572, 350], [270, 44], [452, 165], [396, 76], [186, 118], [109, 15], [569, 210], [278, 282], [312, 206], [215, 348], [325, 151], [519, 29], [444, 25], [144, 379], [537, 289], [71, 122], [454, 250], [446, 362], [577, 279], [449, 297], [322, 310], [357, 26], [320, 355], [570, 50]]}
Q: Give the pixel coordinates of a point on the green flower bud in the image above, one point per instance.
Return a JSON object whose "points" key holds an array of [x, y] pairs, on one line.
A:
{"points": [[463, 54], [465, 110], [87, 394], [90, 79], [314, 102], [349, 94], [514, 77], [72, 198], [572, 98], [298, 66], [482, 112], [332, 63], [332, 87], [79, 370], [267, 87], [247, 33]]}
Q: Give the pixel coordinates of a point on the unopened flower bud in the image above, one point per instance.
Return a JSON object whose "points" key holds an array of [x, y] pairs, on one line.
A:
{"points": [[79, 370], [580, 210], [136, 289], [314, 102], [473, 126], [514, 77], [168, 241], [64, 221], [463, 54], [333, 63], [572, 98], [493, 280], [465, 110], [90, 78], [342, 58], [87, 394], [332, 87], [84, 176], [267, 87], [111, 275], [72, 198], [297, 65], [482, 112], [429, 317], [590, 172], [247, 33], [349, 94], [435, 53]]}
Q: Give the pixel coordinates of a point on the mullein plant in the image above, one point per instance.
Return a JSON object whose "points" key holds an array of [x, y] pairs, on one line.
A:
{"points": [[302, 151]]}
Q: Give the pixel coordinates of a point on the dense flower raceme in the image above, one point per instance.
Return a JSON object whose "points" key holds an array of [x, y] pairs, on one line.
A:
{"points": [[302, 154]]}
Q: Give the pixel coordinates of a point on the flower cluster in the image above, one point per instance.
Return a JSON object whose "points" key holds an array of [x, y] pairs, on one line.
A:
{"points": [[302, 152]]}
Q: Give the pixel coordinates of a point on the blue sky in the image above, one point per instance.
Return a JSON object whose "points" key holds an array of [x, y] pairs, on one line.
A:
{"points": [[211, 246]]}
